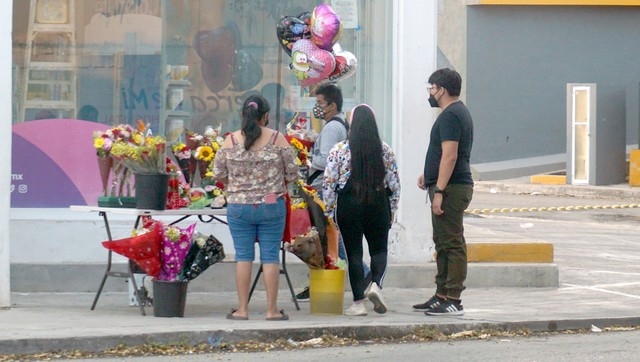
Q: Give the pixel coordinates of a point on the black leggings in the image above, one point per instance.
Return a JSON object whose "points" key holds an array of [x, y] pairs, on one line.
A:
{"points": [[371, 220]]}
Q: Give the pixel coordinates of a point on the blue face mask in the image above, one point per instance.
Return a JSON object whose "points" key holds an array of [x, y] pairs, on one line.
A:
{"points": [[318, 111]]}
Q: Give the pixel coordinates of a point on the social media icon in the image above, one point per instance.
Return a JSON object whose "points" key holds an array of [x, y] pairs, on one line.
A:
{"points": [[22, 189]]}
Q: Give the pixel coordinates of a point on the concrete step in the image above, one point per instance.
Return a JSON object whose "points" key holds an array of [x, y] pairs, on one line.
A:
{"points": [[67, 278]]}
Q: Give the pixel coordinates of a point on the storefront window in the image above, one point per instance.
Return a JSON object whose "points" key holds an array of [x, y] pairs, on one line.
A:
{"points": [[184, 64], [110, 60]]}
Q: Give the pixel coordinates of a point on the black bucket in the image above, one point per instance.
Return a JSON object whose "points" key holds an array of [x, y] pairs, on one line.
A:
{"points": [[169, 298], [151, 191]]}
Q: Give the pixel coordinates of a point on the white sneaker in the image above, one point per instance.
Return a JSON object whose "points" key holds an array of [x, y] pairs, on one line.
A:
{"points": [[356, 309], [375, 296], [366, 291]]}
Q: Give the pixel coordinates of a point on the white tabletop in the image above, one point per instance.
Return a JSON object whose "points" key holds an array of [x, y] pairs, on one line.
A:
{"points": [[138, 212]]}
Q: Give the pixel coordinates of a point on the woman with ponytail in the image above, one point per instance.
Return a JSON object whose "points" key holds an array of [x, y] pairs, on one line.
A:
{"points": [[361, 191], [255, 163]]}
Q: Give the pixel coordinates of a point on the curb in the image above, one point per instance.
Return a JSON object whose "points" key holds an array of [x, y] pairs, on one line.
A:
{"points": [[623, 191], [359, 333]]}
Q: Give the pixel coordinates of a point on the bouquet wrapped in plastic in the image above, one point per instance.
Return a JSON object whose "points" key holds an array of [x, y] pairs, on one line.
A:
{"points": [[143, 248], [307, 247], [176, 242], [204, 252]]}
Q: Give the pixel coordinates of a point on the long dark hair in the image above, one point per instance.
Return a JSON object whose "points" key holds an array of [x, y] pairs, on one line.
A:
{"points": [[253, 109], [367, 165]]}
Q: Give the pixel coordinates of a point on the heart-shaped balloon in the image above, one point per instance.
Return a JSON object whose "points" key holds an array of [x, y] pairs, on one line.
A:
{"points": [[290, 29], [309, 63], [247, 73], [346, 65], [216, 48], [326, 28]]}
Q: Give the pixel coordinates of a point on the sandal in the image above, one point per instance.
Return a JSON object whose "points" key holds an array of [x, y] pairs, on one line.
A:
{"points": [[283, 317], [236, 318]]}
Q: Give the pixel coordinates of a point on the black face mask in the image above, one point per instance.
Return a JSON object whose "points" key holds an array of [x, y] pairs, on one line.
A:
{"points": [[433, 102]]}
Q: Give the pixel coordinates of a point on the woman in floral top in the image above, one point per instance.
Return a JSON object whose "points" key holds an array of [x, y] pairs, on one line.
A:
{"points": [[361, 191], [255, 163]]}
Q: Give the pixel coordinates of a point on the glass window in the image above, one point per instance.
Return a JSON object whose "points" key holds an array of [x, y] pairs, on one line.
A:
{"points": [[87, 65], [117, 61]]}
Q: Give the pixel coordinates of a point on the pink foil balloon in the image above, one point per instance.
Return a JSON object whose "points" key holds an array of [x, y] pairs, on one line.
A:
{"points": [[326, 28], [309, 63]]}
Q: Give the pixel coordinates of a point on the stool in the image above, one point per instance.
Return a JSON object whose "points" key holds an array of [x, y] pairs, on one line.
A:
{"points": [[283, 271]]}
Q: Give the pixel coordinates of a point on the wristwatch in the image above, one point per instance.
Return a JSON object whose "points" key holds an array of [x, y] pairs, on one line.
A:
{"points": [[437, 190]]}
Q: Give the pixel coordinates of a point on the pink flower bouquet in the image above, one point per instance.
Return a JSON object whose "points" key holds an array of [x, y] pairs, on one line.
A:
{"points": [[175, 245]]}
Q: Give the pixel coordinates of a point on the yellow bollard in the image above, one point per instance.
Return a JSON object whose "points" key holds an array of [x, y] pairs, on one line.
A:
{"points": [[634, 168]]}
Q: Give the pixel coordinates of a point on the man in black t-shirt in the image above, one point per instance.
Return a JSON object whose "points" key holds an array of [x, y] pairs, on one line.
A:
{"points": [[447, 177]]}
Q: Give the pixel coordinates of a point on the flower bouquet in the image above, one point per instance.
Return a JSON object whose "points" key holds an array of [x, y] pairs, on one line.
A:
{"points": [[143, 247], [175, 245], [204, 148], [204, 252], [304, 226], [118, 194], [144, 154], [299, 129], [182, 153], [307, 247]]}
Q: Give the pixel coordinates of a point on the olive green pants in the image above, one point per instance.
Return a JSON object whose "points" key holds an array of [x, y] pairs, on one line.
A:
{"points": [[448, 236]]}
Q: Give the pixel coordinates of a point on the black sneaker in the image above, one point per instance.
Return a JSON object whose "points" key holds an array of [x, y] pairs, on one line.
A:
{"points": [[303, 296], [447, 307], [429, 304]]}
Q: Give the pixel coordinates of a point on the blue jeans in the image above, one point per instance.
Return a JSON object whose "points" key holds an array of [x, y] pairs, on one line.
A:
{"points": [[263, 223]]}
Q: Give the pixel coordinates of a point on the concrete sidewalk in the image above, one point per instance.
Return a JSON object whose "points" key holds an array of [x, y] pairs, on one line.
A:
{"points": [[598, 265]]}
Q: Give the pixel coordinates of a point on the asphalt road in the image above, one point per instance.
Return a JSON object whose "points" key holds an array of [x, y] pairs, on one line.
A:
{"points": [[547, 207], [590, 346]]}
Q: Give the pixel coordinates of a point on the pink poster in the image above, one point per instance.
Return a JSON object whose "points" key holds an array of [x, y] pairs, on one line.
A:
{"points": [[53, 164]]}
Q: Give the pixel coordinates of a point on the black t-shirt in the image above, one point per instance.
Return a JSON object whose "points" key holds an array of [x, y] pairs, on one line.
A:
{"points": [[453, 124]]}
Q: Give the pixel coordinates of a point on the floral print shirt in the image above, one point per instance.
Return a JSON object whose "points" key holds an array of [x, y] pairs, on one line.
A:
{"points": [[338, 171], [251, 175]]}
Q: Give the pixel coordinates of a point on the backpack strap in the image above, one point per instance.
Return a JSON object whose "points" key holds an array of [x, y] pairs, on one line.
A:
{"points": [[344, 123], [317, 173]]}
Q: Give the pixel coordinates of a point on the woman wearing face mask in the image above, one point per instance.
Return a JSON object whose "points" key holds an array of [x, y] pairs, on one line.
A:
{"points": [[361, 190], [329, 108]]}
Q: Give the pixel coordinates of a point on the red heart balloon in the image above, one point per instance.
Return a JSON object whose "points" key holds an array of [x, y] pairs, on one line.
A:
{"points": [[216, 48]]}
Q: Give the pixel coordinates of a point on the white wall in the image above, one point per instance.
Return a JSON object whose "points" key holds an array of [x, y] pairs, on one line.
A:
{"points": [[5, 152], [415, 59]]}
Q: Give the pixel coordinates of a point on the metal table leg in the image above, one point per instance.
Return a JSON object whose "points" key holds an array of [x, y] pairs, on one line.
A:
{"points": [[110, 273]]}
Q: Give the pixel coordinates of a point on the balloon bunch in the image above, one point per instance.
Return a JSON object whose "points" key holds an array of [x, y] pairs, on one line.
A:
{"points": [[311, 39]]}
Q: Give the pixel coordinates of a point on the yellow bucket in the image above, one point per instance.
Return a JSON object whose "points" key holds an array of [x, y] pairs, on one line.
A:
{"points": [[326, 289]]}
